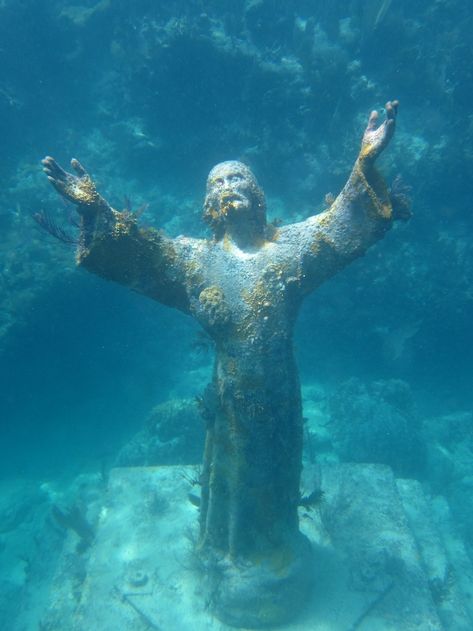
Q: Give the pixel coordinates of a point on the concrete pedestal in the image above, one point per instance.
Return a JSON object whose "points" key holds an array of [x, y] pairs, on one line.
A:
{"points": [[141, 573]]}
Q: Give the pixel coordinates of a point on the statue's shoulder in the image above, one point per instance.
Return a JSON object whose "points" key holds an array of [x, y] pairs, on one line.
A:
{"points": [[189, 245], [296, 238], [291, 231]]}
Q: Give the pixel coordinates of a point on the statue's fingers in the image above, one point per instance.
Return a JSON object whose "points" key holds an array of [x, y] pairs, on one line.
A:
{"points": [[391, 109], [78, 168], [386, 132], [372, 121], [58, 185], [52, 168]]}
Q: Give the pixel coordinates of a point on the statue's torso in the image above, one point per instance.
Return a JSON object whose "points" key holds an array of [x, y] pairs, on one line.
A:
{"points": [[243, 297], [248, 302]]}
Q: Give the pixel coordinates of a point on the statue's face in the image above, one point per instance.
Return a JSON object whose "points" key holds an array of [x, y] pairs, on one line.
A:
{"points": [[230, 189], [233, 196]]}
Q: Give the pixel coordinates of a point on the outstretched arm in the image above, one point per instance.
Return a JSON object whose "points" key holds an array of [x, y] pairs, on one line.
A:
{"points": [[113, 246], [359, 216], [362, 212]]}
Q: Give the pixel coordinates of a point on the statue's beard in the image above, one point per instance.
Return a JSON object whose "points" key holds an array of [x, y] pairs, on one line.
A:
{"points": [[233, 205]]}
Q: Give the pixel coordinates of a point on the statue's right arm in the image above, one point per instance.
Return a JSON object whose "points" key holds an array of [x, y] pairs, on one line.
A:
{"points": [[113, 246]]}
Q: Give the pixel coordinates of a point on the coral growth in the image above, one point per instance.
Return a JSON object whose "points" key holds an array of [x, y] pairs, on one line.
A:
{"points": [[377, 422]]}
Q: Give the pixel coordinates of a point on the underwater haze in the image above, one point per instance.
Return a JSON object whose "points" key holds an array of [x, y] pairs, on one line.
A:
{"points": [[149, 96]]}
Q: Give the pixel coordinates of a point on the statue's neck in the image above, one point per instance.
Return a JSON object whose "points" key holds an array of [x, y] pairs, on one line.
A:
{"points": [[247, 235]]}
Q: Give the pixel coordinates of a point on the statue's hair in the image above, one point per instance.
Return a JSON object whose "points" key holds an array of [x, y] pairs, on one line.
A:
{"points": [[212, 215]]}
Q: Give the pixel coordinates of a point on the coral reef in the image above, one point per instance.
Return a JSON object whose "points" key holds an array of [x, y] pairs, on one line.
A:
{"points": [[377, 422], [31, 540], [173, 433], [449, 440]]}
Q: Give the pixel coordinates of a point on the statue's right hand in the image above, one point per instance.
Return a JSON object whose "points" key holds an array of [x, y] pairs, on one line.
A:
{"points": [[78, 189]]}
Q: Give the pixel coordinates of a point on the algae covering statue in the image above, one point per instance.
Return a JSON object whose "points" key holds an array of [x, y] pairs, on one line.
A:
{"points": [[244, 286]]}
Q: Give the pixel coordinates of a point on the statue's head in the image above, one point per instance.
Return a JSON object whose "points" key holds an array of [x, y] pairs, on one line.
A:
{"points": [[233, 196]]}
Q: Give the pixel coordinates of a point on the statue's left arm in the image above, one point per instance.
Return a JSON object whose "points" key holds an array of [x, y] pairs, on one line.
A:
{"points": [[359, 216]]}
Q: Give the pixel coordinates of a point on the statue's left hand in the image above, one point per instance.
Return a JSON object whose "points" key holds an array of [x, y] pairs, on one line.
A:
{"points": [[377, 137]]}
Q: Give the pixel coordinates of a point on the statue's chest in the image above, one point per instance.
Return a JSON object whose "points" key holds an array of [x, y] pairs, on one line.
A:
{"points": [[242, 293]]}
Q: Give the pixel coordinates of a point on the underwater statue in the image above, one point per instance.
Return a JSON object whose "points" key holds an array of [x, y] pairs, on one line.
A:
{"points": [[245, 286]]}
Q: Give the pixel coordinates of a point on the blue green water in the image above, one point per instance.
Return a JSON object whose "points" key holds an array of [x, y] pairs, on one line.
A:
{"points": [[149, 96]]}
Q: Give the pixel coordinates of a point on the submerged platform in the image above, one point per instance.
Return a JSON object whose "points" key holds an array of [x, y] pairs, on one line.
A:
{"points": [[384, 559]]}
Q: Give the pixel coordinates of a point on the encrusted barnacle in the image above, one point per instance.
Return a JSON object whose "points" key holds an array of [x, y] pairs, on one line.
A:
{"points": [[193, 272], [320, 241], [84, 191], [212, 301]]}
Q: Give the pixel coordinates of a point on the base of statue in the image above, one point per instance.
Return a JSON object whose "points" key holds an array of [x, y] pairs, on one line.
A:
{"points": [[370, 569], [263, 592]]}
